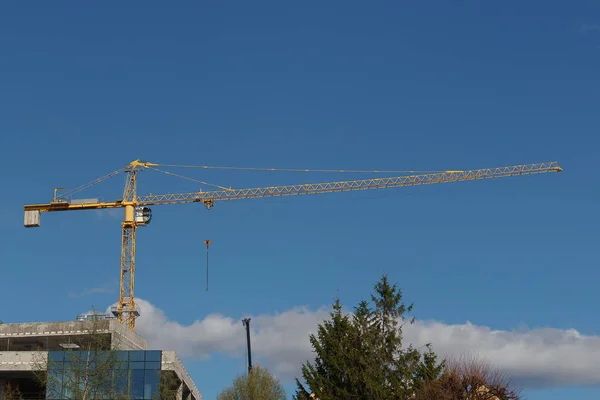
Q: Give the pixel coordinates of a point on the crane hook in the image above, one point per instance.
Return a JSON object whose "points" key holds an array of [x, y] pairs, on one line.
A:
{"points": [[207, 244]]}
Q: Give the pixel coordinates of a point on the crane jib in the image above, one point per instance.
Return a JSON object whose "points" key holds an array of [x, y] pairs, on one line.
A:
{"points": [[138, 214]]}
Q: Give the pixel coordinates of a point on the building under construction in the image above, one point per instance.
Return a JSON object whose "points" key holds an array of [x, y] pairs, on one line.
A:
{"points": [[55, 360]]}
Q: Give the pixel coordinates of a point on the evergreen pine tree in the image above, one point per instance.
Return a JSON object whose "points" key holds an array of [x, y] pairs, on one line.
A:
{"points": [[328, 377], [363, 357], [429, 370], [397, 365], [363, 365]]}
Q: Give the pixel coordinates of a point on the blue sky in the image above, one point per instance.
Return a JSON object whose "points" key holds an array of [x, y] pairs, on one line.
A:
{"points": [[393, 85]]}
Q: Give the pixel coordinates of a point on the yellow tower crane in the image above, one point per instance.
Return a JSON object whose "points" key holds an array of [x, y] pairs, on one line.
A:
{"points": [[138, 213]]}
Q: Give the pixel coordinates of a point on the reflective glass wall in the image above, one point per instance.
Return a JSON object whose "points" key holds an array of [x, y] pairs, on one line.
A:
{"points": [[103, 374]]}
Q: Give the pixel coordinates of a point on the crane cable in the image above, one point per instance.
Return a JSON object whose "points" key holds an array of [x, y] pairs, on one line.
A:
{"points": [[189, 179], [92, 183], [302, 169], [105, 177]]}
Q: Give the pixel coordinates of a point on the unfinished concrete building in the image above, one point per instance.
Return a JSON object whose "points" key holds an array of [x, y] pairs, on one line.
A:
{"points": [[59, 360]]}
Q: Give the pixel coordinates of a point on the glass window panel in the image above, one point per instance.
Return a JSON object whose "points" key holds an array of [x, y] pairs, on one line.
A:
{"points": [[104, 362], [70, 380], [122, 355], [57, 356], [102, 387], [120, 380], [68, 393], [103, 357], [137, 384], [152, 365], [153, 355], [136, 365], [151, 384], [55, 366], [121, 359], [136, 355], [72, 355], [54, 384], [121, 365]]}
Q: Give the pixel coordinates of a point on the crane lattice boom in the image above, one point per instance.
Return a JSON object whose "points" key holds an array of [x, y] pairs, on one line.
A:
{"points": [[346, 186]]}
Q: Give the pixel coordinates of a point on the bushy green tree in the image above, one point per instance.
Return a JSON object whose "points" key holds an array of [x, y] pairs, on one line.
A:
{"points": [[258, 384], [362, 356]]}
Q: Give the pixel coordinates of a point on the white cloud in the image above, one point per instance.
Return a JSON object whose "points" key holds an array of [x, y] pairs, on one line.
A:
{"points": [[535, 357]]}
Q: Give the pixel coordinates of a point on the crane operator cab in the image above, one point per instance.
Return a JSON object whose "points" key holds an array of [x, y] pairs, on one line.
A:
{"points": [[143, 215]]}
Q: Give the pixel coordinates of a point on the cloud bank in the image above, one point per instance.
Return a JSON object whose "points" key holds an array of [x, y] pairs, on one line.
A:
{"points": [[534, 358]]}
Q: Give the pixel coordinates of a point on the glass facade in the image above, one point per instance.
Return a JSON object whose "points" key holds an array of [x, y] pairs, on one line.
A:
{"points": [[107, 375]]}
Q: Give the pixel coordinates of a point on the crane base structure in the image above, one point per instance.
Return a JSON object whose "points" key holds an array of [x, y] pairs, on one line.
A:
{"points": [[138, 212]]}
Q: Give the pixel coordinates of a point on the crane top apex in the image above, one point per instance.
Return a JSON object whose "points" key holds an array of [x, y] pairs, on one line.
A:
{"points": [[141, 164]]}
